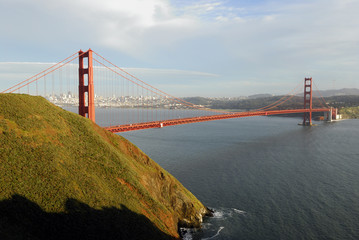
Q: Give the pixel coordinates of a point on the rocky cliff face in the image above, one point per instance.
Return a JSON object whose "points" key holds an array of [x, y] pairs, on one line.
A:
{"points": [[64, 164]]}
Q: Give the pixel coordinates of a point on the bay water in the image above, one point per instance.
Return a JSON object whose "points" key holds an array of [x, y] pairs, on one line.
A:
{"points": [[265, 177]]}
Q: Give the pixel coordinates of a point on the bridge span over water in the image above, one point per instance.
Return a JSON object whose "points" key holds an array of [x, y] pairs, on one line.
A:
{"points": [[90, 81]]}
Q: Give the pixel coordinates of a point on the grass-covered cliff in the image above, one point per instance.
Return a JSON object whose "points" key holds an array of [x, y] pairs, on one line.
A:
{"points": [[64, 177]]}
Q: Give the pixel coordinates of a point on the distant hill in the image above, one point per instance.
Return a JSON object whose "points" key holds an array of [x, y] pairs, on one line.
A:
{"points": [[339, 92], [346, 97], [324, 93], [265, 95], [64, 177], [198, 100]]}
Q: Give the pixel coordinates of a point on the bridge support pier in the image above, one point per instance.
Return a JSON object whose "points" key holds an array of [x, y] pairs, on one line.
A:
{"points": [[328, 116], [307, 118], [332, 114], [89, 110]]}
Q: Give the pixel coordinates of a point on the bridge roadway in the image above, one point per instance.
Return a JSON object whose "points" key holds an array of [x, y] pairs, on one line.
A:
{"points": [[172, 122]]}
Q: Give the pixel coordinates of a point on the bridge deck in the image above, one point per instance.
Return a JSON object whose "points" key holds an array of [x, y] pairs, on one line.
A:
{"points": [[171, 122]]}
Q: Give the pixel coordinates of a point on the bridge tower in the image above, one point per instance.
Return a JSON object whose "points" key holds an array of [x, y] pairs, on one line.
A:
{"points": [[307, 119], [86, 77]]}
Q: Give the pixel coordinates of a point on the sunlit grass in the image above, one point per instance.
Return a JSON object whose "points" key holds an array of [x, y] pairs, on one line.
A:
{"points": [[49, 155]]}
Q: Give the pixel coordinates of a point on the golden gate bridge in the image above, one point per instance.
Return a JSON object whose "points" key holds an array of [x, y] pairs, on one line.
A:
{"points": [[89, 81]]}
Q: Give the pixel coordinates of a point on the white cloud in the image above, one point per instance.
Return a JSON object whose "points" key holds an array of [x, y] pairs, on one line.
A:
{"points": [[275, 41], [168, 72], [12, 73]]}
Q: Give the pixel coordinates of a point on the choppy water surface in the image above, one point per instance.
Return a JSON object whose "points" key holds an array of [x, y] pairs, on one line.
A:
{"points": [[265, 177]]}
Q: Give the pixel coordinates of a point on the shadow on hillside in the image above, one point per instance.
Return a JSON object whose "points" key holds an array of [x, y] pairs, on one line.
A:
{"points": [[22, 219]]}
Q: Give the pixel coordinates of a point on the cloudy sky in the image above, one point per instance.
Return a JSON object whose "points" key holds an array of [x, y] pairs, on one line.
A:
{"points": [[191, 48]]}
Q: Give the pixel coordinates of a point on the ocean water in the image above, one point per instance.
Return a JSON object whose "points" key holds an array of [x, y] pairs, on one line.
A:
{"points": [[265, 177]]}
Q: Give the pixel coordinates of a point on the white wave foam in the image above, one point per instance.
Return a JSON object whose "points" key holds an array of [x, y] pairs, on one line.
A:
{"points": [[224, 213], [206, 226], [218, 214], [239, 211], [186, 234], [219, 230]]}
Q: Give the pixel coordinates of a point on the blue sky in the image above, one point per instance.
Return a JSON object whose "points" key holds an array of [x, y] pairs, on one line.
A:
{"points": [[191, 48]]}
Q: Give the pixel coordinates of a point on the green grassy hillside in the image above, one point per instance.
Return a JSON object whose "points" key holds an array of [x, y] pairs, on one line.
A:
{"points": [[65, 177], [349, 112]]}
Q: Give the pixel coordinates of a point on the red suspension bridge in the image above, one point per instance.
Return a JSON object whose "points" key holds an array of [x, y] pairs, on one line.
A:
{"points": [[93, 84]]}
